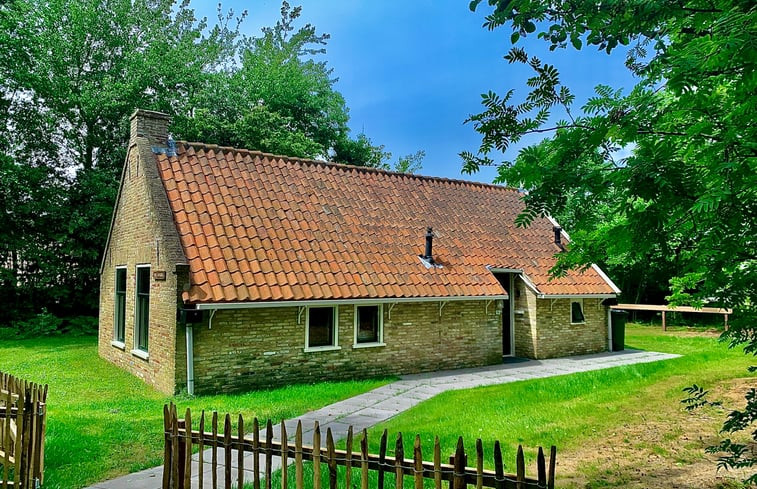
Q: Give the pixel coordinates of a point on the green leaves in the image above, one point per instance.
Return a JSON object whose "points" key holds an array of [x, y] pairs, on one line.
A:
{"points": [[660, 183]]}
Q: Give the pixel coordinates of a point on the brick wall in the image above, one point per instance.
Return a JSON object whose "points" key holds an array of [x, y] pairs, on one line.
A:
{"points": [[543, 328], [143, 232], [265, 347]]}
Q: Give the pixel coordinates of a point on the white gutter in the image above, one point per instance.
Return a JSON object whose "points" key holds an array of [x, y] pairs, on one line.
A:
{"points": [[190, 361], [575, 296], [332, 302]]}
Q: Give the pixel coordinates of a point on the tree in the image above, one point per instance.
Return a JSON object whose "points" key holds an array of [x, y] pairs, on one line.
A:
{"points": [[685, 199]]}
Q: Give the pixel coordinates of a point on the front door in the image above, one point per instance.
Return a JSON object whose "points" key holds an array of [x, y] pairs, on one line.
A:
{"points": [[506, 279]]}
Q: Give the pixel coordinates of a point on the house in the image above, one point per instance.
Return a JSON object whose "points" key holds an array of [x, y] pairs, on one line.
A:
{"points": [[227, 269]]}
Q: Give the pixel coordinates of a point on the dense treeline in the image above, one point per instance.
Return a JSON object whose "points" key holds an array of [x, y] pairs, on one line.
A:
{"points": [[71, 73]]}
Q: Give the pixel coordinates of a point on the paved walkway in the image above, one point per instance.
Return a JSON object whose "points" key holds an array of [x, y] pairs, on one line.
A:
{"points": [[373, 407]]}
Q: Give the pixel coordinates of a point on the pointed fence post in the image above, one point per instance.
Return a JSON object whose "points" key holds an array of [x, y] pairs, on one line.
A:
{"points": [[459, 476]]}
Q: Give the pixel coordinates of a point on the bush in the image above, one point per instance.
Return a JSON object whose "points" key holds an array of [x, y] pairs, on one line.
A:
{"points": [[43, 324]]}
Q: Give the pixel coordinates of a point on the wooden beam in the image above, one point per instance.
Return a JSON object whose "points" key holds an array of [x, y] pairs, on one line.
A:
{"points": [[652, 307]]}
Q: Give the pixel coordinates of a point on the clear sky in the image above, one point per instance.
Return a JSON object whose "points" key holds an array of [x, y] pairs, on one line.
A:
{"points": [[412, 71]]}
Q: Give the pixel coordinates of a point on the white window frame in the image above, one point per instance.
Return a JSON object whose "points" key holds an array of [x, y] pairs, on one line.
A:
{"points": [[380, 341], [335, 345], [116, 342], [136, 351], [580, 301]]}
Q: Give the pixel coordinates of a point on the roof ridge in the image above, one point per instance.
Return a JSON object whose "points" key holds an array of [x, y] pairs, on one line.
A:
{"points": [[367, 169]]}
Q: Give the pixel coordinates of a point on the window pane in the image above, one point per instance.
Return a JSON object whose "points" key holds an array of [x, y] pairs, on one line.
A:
{"points": [[142, 318], [576, 313], [120, 303], [143, 280], [368, 324], [321, 326], [120, 280]]}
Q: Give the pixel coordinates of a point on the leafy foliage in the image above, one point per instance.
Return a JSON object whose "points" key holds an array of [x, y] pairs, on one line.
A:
{"points": [[661, 180], [73, 71]]}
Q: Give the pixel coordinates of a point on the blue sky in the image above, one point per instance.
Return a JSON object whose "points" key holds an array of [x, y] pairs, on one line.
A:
{"points": [[412, 71]]}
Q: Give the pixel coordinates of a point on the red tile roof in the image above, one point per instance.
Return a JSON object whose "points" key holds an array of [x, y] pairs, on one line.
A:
{"points": [[259, 227]]}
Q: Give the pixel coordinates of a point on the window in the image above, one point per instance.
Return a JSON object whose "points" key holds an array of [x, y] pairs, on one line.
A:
{"points": [[369, 322], [321, 328], [119, 319], [142, 309], [577, 311]]}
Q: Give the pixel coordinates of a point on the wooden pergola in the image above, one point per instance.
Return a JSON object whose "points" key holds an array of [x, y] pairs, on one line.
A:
{"points": [[665, 309]]}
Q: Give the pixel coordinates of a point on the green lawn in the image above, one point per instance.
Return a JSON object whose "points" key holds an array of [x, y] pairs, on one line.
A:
{"points": [[104, 422], [575, 411]]}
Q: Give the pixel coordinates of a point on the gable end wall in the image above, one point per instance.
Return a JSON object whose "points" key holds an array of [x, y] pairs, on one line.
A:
{"points": [[143, 232]]}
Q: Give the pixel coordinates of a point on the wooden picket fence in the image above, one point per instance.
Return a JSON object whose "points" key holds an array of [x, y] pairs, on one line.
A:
{"points": [[181, 439], [22, 433]]}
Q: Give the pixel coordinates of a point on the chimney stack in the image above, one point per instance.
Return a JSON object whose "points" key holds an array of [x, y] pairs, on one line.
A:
{"points": [[558, 237], [428, 255], [150, 125]]}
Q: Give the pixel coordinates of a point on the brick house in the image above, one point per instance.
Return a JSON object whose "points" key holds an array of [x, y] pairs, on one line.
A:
{"points": [[227, 269]]}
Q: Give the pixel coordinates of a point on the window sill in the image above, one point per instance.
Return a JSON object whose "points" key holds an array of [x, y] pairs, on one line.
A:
{"points": [[141, 354], [368, 345], [118, 344], [578, 324], [322, 348]]}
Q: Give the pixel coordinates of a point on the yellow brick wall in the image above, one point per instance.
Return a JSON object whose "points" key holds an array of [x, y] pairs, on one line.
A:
{"points": [[264, 347], [143, 233], [543, 328]]}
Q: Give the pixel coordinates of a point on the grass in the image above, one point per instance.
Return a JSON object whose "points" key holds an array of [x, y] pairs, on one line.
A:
{"points": [[573, 411], [104, 422]]}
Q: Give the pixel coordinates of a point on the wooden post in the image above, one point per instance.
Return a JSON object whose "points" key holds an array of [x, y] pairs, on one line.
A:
{"points": [[256, 453], [664, 326], [298, 456], [227, 452], [200, 468], [284, 457], [479, 464], [520, 463], [418, 462], [437, 464], [167, 458], [240, 452], [268, 453], [499, 467], [399, 458], [214, 455], [459, 476], [364, 460], [552, 463], [187, 449], [348, 460], [725, 324], [382, 460], [541, 469], [317, 456], [331, 458]]}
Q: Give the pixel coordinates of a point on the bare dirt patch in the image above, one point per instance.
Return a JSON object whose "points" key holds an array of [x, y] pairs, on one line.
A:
{"points": [[660, 447]]}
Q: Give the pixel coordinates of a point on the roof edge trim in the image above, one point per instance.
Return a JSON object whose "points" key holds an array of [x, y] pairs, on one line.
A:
{"points": [[333, 302], [575, 296]]}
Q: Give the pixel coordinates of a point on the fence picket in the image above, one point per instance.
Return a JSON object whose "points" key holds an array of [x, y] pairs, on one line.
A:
{"points": [[331, 458], [520, 468], [256, 453], [479, 464], [175, 446], [348, 460], [399, 456], [437, 464], [459, 467], [298, 456], [541, 469], [284, 456], [226, 452], [364, 460], [268, 453], [167, 456], [317, 456], [418, 462], [382, 459], [552, 462], [240, 452], [200, 454], [214, 455], [187, 449], [499, 467], [17, 450]]}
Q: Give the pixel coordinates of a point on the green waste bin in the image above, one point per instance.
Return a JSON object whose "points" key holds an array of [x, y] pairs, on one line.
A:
{"points": [[618, 319]]}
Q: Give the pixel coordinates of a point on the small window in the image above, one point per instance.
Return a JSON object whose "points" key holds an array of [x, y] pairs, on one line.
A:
{"points": [[119, 319], [368, 325], [142, 309], [321, 324], [577, 312]]}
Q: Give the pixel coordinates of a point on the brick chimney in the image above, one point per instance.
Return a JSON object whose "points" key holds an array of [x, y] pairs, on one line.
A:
{"points": [[151, 125]]}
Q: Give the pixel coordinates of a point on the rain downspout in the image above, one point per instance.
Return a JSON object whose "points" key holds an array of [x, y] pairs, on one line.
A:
{"points": [[190, 361]]}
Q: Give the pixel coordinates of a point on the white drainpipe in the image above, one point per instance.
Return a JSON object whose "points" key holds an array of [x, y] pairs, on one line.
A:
{"points": [[190, 361]]}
